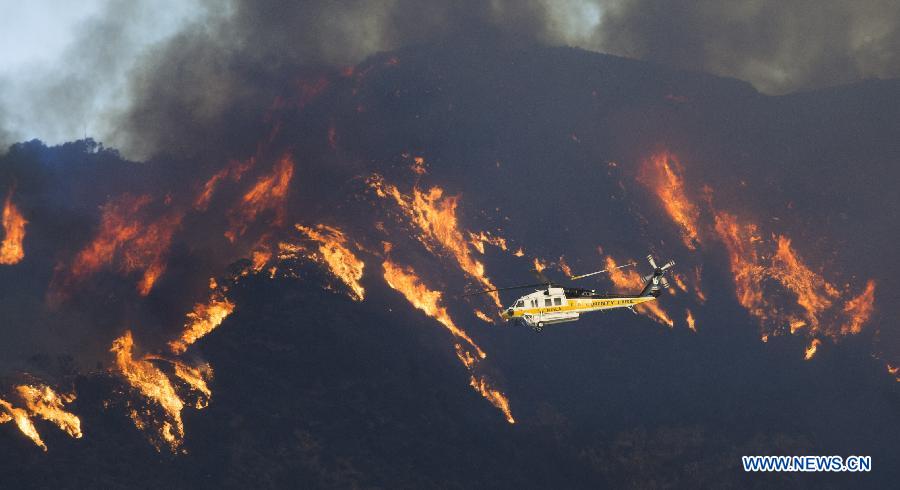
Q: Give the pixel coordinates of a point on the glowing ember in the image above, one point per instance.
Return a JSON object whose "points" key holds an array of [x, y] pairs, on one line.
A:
{"points": [[203, 319], [435, 216], [12, 250], [268, 194], [519, 252], [418, 166], [811, 350], [405, 281], [539, 265], [859, 309], [698, 291], [564, 267], [692, 324], [662, 174], [335, 253], [630, 280]]}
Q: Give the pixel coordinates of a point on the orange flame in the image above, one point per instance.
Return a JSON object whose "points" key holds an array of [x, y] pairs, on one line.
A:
{"points": [[810, 351], [692, 324], [815, 296], [495, 397], [539, 265], [519, 252], [234, 170], [268, 194], [479, 239], [741, 241], [151, 382], [22, 420], [335, 253], [435, 216], [483, 317], [698, 290], [197, 380], [11, 249], [125, 239], [812, 290], [564, 266], [481, 385], [405, 281], [859, 309], [631, 280], [45, 403], [418, 166], [202, 320], [662, 173]]}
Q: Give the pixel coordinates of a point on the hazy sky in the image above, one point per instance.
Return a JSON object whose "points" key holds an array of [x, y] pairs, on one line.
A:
{"points": [[64, 64]]}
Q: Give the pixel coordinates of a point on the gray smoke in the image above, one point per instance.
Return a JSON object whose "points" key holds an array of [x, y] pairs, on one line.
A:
{"points": [[186, 90]]}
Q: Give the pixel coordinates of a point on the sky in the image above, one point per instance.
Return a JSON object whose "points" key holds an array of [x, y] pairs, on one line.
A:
{"points": [[78, 55]]}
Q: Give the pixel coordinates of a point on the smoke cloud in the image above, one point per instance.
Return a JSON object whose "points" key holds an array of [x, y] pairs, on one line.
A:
{"points": [[149, 78]]}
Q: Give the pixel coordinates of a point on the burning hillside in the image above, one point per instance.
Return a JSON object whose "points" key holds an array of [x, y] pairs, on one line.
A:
{"points": [[156, 289]]}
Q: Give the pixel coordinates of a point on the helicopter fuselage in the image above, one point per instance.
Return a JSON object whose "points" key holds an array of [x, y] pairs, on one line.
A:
{"points": [[558, 305]]}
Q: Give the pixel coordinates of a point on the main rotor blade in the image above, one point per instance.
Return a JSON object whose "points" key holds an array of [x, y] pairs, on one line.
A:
{"points": [[582, 276], [543, 284]]}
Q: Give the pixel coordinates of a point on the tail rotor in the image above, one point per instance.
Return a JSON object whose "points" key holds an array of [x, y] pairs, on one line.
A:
{"points": [[657, 280]]}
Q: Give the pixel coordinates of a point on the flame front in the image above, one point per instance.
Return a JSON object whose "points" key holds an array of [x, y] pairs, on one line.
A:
{"points": [[334, 252], [152, 383], [662, 173], [495, 397], [405, 281], [268, 194], [124, 239], [12, 250], [859, 310], [22, 420], [435, 216], [203, 319], [814, 293], [759, 264]]}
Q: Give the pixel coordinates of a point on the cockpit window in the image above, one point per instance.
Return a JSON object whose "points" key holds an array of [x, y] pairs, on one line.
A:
{"points": [[520, 303]]}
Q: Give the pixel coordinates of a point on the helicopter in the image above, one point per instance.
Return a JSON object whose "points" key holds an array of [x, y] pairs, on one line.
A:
{"points": [[553, 303]]}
